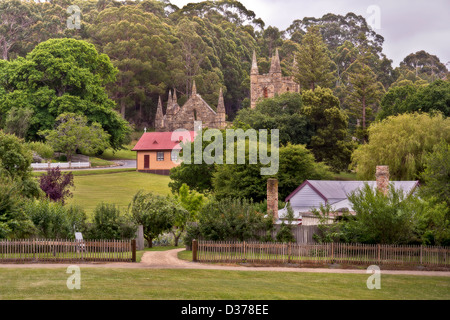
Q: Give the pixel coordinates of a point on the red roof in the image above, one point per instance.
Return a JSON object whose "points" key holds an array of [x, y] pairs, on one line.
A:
{"points": [[161, 141]]}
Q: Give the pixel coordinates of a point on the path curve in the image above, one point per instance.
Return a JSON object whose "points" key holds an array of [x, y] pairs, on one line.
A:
{"points": [[169, 260]]}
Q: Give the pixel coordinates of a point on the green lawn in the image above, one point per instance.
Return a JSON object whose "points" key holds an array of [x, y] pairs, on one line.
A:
{"points": [[115, 187], [88, 172], [99, 283]]}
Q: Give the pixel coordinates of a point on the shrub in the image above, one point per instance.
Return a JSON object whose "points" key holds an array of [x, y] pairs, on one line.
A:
{"points": [[110, 223], [42, 149], [53, 220], [285, 232], [230, 219], [155, 213], [56, 184], [14, 223]]}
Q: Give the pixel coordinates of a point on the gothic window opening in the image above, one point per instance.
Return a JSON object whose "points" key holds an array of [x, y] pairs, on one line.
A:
{"points": [[195, 115]]}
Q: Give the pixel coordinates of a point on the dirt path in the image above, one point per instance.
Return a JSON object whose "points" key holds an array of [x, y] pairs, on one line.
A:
{"points": [[169, 260]]}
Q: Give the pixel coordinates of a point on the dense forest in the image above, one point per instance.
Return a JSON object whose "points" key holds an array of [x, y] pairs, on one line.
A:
{"points": [[154, 47]]}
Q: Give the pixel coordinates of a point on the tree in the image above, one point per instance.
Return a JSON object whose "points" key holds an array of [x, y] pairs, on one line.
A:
{"points": [[342, 34], [285, 232], [330, 142], [110, 223], [433, 223], [41, 149], [16, 19], [73, 133], [296, 164], [140, 54], [411, 97], [60, 76], [395, 100], [53, 220], [283, 112], [18, 121], [230, 219], [314, 62], [192, 203], [15, 163], [155, 213], [197, 177], [401, 142], [56, 184], [14, 222], [436, 174], [425, 65], [363, 94], [384, 219]]}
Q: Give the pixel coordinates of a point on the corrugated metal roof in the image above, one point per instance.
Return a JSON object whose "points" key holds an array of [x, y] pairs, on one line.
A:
{"points": [[335, 191], [159, 141]]}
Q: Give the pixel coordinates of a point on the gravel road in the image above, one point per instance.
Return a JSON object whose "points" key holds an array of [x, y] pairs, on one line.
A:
{"points": [[168, 260]]}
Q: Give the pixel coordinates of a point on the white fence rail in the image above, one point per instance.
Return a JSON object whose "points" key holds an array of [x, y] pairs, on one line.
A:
{"points": [[61, 165]]}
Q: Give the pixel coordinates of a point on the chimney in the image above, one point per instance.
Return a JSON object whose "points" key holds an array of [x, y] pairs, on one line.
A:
{"points": [[272, 198], [382, 176]]}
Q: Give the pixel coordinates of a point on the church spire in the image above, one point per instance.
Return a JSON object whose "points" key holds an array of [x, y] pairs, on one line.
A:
{"points": [[254, 69], [169, 109], [275, 66], [220, 105], [194, 88], [175, 96], [176, 107], [159, 118], [221, 114]]}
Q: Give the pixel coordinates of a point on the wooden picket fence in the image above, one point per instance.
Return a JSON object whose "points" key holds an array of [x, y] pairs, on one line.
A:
{"points": [[63, 250], [295, 253]]}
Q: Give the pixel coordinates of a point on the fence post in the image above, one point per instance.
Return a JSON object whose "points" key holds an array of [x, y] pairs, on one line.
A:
{"points": [[194, 250], [133, 250], [332, 252], [289, 252], [421, 248], [378, 253]]}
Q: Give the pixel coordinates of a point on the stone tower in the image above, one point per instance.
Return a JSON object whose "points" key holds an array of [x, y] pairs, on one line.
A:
{"points": [[220, 112], [271, 84], [159, 118]]}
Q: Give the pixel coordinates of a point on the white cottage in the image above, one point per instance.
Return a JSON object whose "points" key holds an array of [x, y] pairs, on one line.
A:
{"points": [[313, 193]]}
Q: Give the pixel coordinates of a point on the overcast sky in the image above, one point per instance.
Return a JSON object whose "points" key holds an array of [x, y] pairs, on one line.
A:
{"points": [[406, 25]]}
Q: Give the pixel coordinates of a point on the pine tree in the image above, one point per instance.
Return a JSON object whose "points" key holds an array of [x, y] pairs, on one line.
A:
{"points": [[313, 61], [363, 94]]}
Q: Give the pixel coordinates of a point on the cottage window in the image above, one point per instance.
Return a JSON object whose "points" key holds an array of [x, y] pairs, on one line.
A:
{"points": [[160, 156], [174, 156]]}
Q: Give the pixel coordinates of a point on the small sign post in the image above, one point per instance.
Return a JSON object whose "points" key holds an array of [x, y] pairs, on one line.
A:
{"points": [[79, 239]]}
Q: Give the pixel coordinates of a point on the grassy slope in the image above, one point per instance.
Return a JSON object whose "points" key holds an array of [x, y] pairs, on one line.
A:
{"points": [[98, 283], [115, 187]]}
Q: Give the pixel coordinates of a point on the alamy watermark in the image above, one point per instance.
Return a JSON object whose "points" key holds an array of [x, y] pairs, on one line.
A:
{"points": [[374, 17], [74, 280], [374, 281], [74, 21], [258, 145]]}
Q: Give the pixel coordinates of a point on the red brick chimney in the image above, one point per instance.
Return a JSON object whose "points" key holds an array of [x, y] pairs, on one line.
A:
{"points": [[272, 198], [382, 177]]}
